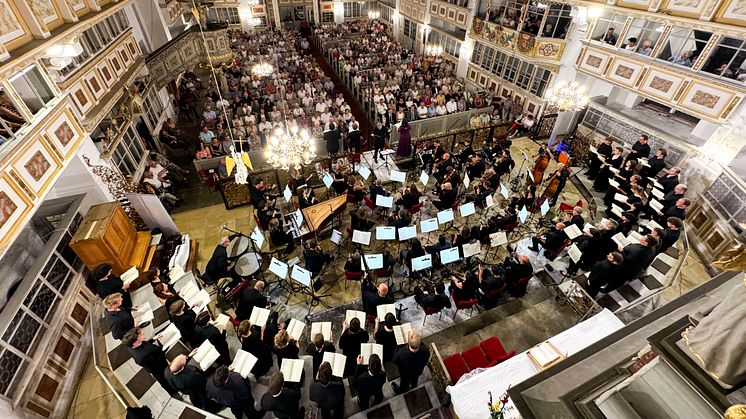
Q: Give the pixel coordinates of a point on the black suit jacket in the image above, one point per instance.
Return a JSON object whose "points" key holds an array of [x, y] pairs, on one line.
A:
{"points": [[235, 392], [189, 380], [120, 322], [249, 299]]}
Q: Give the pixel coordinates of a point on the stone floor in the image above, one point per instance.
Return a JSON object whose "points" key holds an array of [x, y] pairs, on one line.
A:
{"points": [[94, 399]]}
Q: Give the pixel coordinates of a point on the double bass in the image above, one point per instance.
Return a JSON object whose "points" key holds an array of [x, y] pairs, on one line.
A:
{"points": [[542, 161], [556, 182]]}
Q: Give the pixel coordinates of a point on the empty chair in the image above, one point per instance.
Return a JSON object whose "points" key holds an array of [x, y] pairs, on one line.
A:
{"points": [[493, 348]]}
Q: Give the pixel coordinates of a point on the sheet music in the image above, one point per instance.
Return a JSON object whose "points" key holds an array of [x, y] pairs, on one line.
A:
{"points": [[169, 336], [657, 206], [401, 333], [287, 193], [325, 328], [449, 255], [620, 197], [199, 301], [544, 207], [301, 275], [593, 149], [259, 316], [328, 180], [364, 171], [352, 314], [504, 191], [644, 162], [292, 369], [298, 217], [490, 201], [374, 261], [574, 252], [385, 233], [613, 183], [206, 355], [426, 226], [422, 262], [383, 309], [257, 237], [523, 214], [653, 225], [471, 249], [221, 322], [614, 170], [244, 362], [384, 201], [295, 329], [278, 268], [572, 231], [337, 362], [424, 178], [398, 176], [368, 349], [467, 181], [656, 184], [498, 239], [616, 210], [175, 273], [336, 237], [406, 233], [633, 237], [130, 275], [620, 240], [467, 209], [657, 193], [361, 237], [445, 216]]}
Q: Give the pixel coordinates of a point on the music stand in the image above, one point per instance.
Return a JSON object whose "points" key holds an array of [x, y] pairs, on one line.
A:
{"points": [[385, 154], [514, 182]]}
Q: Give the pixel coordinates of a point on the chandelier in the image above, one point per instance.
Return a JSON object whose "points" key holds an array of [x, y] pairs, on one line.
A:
{"points": [[262, 69], [433, 50], [566, 96], [290, 147]]}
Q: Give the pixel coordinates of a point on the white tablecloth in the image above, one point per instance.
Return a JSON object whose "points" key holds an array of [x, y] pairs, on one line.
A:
{"points": [[469, 396]]}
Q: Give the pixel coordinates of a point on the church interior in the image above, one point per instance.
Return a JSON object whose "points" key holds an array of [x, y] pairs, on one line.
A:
{"points": [[372, 209]]}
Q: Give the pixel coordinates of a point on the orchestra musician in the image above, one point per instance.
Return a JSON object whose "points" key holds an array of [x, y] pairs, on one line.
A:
{"points": [[555, 183], [307, 198], [431, 154], [475, 167], [541, 163]]}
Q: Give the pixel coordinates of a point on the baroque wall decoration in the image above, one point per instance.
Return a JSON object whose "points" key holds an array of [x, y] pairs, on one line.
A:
{"points": [[661, 84], [44, 10], [10, 26], [705, 99]]}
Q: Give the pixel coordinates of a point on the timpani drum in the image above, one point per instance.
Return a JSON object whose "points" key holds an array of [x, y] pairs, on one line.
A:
{"points": [[248, 264], [237, 247]]}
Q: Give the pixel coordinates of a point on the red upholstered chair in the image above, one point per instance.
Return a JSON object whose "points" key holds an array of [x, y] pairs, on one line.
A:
{"points": [[351, 198], [496, 292], [463, 305], [456, 204], [456, 367], [416, 208], [475, 358], [494, 350], [352, 276], [369, 202], [510, 228], [552, 254], [233, 294], [567, 208], [432, 310], [369, 318]]}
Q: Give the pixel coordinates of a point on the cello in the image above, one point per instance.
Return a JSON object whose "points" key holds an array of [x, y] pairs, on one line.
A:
{"points": [[542, 161]]}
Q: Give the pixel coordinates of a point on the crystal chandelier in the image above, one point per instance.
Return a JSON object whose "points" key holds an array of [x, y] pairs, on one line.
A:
{"points": [[433, 50], [566, 96], [262, 69], [290, 147]]}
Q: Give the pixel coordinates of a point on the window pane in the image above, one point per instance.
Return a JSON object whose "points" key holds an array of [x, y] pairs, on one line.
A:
{"points": [[32, 88], [684, 46], [608, 27]]}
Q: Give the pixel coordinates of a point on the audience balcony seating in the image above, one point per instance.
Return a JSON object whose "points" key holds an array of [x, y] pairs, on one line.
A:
{"points": [[463, 305]]}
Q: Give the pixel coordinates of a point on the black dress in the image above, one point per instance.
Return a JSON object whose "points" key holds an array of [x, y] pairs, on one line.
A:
{"points": [[350, 343]]}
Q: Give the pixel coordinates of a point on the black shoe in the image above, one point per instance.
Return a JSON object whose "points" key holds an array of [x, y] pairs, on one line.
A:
{"points": [[533, 249], [396, 388], [144, 324]]}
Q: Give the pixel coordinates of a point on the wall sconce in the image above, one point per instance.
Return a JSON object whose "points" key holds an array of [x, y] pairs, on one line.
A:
{"points": [[61, 55]]}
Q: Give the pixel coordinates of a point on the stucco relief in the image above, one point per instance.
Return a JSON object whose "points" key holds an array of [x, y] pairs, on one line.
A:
{"points": [[43, 9], [661, 84], [624, 71], [10, 27], [708, 100], [593, 61]]}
